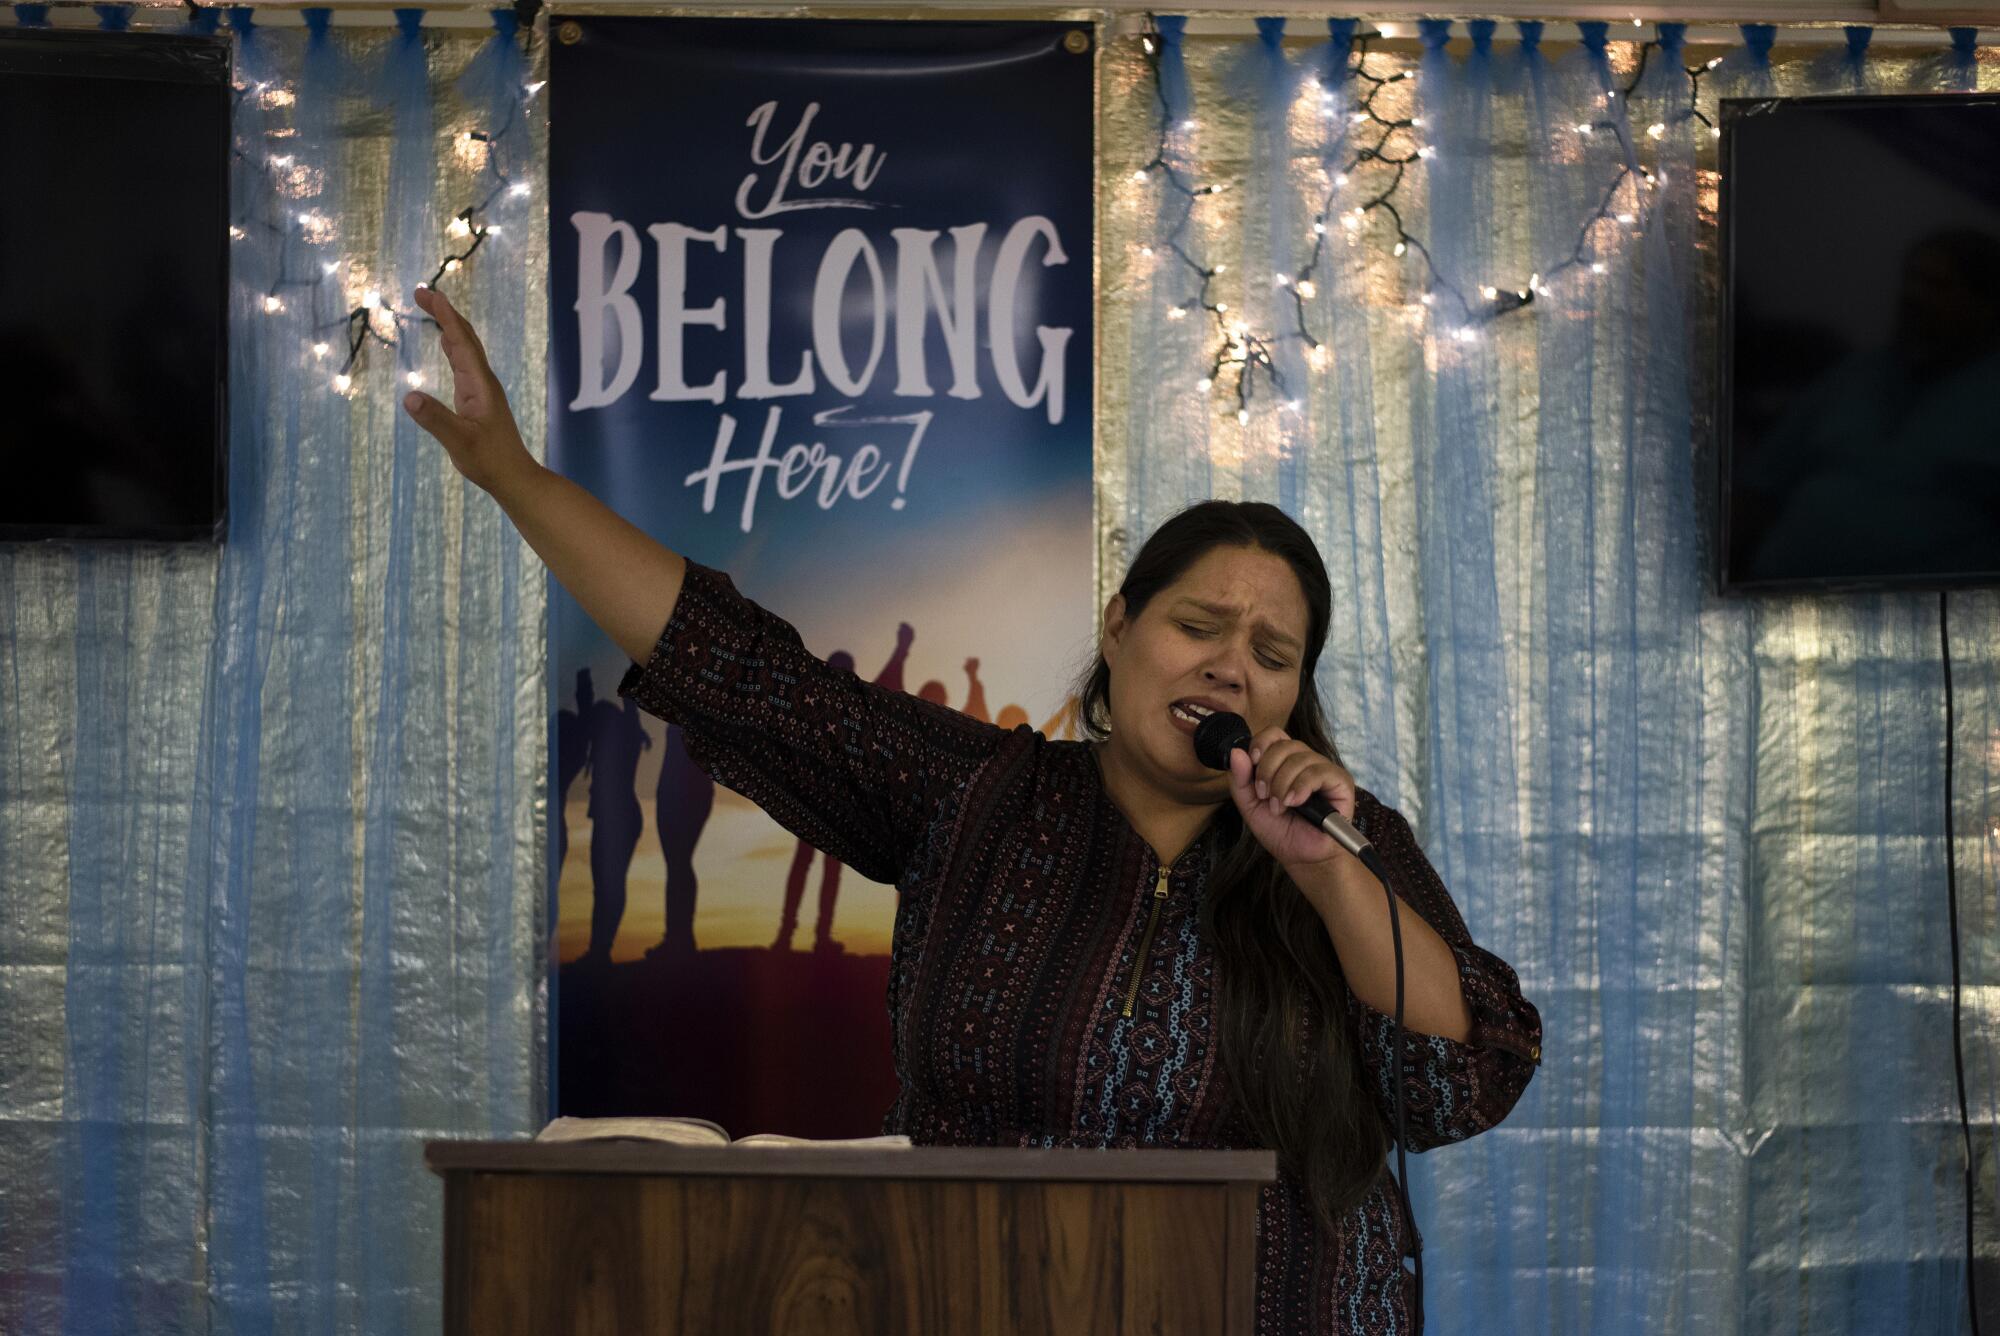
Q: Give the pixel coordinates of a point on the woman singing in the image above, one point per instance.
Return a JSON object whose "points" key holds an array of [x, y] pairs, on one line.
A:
{"points": [[1098, 943]]}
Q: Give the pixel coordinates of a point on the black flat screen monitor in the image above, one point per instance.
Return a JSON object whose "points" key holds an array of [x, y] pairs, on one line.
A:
{"points": [[114, 267], [1860, 381]]}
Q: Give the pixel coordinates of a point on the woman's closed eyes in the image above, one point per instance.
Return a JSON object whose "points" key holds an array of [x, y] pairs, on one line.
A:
{"points": [[1206, 632]]}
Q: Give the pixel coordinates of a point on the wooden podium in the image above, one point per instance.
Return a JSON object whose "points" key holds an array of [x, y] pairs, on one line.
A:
{"points": [[632, 1239]]}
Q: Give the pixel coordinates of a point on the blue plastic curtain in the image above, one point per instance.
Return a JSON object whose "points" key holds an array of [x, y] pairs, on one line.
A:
{"points": [[1708, 833], [271, 814]]}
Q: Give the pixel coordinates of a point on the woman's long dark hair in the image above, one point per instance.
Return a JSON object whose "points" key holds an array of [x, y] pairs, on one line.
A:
{"points": [[1278, 976]]}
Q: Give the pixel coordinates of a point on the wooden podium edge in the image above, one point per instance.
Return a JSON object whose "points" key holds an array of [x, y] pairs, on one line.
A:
{"points": [[916, 1162]]}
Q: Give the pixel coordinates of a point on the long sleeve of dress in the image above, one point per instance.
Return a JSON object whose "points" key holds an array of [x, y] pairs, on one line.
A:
{"points": [[853, 768], [1451, 1090]]}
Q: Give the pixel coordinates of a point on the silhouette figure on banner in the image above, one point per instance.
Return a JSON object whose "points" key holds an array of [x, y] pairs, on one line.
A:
{"points": [[975, 694], [572, 754], [891, 677], [616, 739], [1062, 724], [681, 805]]}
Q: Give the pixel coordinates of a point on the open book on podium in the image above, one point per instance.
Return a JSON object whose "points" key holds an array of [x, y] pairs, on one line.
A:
{"points": [[689, 1132], [622, 1226]]}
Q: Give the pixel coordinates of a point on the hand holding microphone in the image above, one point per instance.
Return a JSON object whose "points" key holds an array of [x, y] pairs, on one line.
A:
{"points": [[1296, 802]]}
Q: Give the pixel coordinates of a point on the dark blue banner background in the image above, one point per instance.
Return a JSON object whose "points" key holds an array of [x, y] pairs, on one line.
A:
{"points": [[964, 124]]}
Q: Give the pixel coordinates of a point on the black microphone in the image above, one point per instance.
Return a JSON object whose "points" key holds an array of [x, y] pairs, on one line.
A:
{"points": [[1222, 733]]}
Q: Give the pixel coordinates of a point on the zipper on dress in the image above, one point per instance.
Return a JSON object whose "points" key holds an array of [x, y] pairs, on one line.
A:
{"points": [[1152, 922]]}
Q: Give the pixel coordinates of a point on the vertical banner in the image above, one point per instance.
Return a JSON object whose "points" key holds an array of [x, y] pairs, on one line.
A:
{"points": [[821, 295]]}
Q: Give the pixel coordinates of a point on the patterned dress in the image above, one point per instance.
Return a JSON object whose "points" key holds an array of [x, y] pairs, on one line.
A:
{"points": [[1026, 929]]}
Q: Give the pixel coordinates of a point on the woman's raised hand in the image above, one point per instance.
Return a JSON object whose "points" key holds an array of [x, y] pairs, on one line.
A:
{"points": [[627, 582], [478, 430]]}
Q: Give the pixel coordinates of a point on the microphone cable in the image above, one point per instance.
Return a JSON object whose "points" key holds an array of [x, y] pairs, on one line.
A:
{"points": [[1414, 1244], [1957, 1032]]}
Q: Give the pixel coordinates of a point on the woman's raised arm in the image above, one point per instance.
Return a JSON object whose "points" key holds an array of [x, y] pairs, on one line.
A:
{"points": [[859, 770], [627, 583]]}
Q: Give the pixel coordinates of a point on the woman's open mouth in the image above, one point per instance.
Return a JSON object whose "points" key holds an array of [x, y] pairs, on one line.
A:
{"points": [[1187, 715]]}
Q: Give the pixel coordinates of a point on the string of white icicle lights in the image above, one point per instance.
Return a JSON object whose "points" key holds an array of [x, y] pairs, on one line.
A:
{"points": [[466, 232], [1395, 145]]}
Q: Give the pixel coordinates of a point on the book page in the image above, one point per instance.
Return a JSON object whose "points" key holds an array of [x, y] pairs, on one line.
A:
{"points": [[672, 1131]]}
